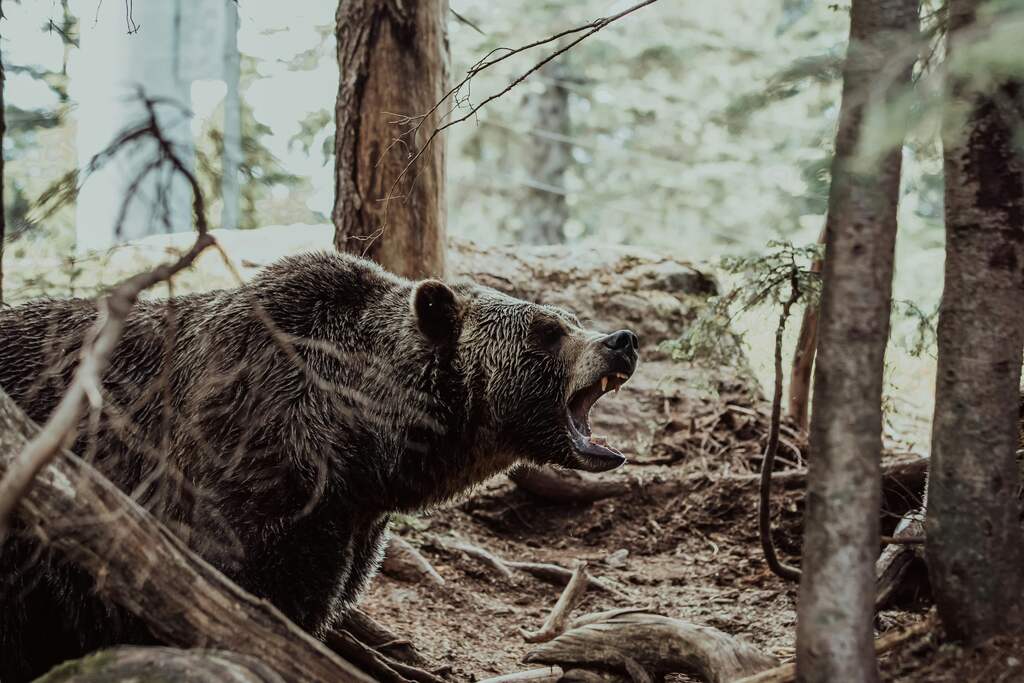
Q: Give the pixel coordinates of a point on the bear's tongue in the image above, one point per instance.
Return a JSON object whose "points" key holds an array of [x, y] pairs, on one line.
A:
{"points": [[581, 403]]}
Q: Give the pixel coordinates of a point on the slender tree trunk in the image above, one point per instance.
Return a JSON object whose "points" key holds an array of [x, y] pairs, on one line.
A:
{"points": [[975, 545], [231, 158], [837, 589], [548, 157], [393, 59], [803, 358]]}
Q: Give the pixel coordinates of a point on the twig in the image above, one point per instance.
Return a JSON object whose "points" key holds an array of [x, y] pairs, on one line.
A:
{"points": [[767, 464], [60, 428], [552, 573], [555, 624], [486, 62], [902, 540]]}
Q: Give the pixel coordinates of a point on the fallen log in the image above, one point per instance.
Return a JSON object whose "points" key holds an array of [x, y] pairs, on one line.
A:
{"points": [[182, 599], [130, 664], [658, 644], [568, 486]]}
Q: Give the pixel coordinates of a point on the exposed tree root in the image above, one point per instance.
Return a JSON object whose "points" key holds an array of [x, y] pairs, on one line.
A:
{"points": [[568, 486], [384, 669], [649, 646], [551, 573], [554, 625], [403, 561], [367, 630]]}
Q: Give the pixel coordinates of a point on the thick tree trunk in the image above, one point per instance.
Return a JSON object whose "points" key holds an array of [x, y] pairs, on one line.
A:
{"points": [[548, 156], [150, 572], [837, 589], [393, 59], [975, 546]]}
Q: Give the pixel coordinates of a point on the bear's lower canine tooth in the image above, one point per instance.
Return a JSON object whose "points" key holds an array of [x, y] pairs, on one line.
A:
{"points": [[604, 384]]}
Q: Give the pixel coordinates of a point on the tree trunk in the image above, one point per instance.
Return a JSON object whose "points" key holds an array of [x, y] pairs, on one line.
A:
{"points": [[837, 589], [548, 156], [393, 59], [183, 600], [975, 547], [231, 157], [803, 358]]}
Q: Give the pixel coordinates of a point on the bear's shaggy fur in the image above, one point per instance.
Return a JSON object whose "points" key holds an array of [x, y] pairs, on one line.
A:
{"points": [[276, 426]]}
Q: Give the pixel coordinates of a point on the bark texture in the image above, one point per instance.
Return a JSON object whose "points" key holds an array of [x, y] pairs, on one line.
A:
{"points": [[393, 59], [975, 548], [837, 589], [803, 358], [139, 564], [135, 664], [548, 157]]}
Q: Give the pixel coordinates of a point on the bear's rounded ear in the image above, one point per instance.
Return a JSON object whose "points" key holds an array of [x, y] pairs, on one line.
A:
{"points": [[437, 311]]}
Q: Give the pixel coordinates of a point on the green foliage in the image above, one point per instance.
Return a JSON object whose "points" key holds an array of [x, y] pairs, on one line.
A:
{"points": [[768, 279], [259, 169]]}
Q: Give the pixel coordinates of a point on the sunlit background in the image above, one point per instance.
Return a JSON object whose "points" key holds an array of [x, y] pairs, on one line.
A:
{"points": [[699, 129]]}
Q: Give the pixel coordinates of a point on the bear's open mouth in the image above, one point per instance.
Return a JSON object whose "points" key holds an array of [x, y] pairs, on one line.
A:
{"points": [[598, 455]]}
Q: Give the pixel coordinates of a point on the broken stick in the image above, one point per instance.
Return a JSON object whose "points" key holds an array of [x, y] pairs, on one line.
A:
{"points": [[554, 625]]}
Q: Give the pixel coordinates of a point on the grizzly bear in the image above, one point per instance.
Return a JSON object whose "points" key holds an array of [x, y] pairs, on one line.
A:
{"points": [[276, 427]]}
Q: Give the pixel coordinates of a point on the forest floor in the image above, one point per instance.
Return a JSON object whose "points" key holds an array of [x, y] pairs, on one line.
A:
{"points": [[684, 543], [693, 555]]}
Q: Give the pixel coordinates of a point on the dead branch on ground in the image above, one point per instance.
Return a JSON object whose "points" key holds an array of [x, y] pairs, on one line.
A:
{"points": [[184, 601], [545, 571], [403, 561], [651, 645], [554, 625], [549, 674], [568, 486]]}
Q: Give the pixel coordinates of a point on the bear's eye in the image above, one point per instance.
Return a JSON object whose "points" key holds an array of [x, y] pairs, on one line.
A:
{"points": [[547, 333]]}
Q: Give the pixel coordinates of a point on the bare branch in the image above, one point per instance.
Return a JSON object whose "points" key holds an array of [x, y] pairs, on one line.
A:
{"points": [[61, 427]]}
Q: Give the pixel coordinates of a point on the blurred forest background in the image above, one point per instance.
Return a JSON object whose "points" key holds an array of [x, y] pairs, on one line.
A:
{"points": [[702, 130]]}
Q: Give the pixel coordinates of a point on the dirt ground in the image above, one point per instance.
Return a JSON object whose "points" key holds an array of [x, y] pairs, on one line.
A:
{"points": [[691, 552]]}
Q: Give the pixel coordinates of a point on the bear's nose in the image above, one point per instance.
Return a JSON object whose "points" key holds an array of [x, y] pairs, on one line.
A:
{"points": [[623, 340]]}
